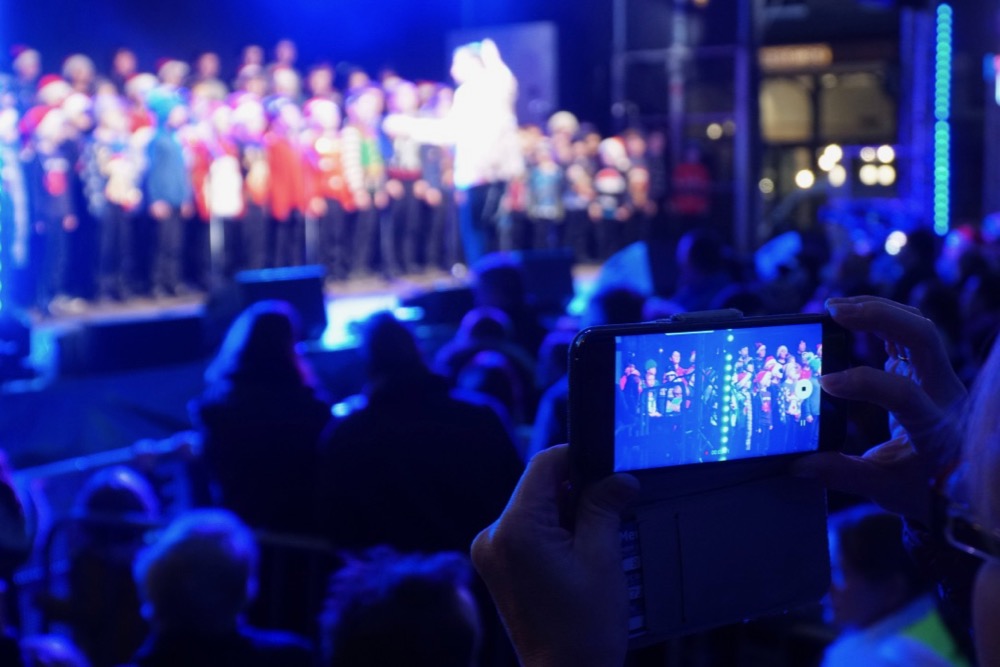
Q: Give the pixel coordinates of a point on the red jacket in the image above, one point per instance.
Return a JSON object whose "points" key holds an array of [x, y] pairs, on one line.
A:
{"points": [[288, 177]]}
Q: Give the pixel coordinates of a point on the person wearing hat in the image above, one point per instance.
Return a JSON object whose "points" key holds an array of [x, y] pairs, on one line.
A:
{"points": [[167, 185], [329, 198], [762, 419], [49, 173], [287, 197], [27, 65]]}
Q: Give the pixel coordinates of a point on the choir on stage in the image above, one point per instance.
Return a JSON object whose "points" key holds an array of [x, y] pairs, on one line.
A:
{"points": [[126, 183]]}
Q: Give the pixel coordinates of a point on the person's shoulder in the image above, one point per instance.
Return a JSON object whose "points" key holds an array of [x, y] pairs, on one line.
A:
{"points": [[276, 647]]}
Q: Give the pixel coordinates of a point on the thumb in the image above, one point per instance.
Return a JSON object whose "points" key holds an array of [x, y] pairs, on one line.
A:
{"points": [[599, 512]]}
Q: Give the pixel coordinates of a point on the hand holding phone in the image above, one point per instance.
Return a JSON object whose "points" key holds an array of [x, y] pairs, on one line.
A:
{"points": [[708, 412]]}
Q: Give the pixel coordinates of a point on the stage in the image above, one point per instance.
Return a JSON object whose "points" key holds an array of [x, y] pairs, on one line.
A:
{"points": [[108, 375]]}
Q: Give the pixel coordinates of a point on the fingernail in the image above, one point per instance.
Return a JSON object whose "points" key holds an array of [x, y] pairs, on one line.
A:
{"points": [[841, 307], [833, 381]]}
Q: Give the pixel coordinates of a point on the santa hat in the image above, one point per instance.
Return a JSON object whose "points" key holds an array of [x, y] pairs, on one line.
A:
{"points": [[34, 117], [757, 346], [53, 89], [760, 376]]}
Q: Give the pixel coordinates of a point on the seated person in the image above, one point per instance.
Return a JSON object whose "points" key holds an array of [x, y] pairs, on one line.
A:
{"points": [[114, 510], [390, 609], [420, 467], [260, 417], [562, 592], [195, 581], [879, 599]]}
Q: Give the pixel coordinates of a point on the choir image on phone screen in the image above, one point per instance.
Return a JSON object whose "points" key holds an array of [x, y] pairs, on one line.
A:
{"points": [[700, 396]]}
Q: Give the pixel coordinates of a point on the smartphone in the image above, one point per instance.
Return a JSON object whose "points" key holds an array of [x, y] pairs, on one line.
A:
{"points": [[707, 411], [703, 390]]}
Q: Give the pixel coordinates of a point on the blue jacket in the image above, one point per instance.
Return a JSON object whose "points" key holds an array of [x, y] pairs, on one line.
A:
{"points": [[167, 176]]}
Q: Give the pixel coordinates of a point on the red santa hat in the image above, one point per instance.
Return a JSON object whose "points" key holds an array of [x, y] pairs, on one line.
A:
{"points": [[53, 89], [760, 376], [757, 346], [33, 118]]}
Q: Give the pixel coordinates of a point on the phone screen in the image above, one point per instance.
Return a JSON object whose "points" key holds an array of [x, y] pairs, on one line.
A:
{"points": [[716, 395]]}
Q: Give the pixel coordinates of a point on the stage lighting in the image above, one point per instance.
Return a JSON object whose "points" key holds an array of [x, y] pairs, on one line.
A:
{"points": [[886, 174], [838, 176], [885, 154], [895, 242], [868, 174]]}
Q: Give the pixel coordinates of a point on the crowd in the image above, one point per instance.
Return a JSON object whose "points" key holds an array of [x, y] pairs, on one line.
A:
{"points": [[429, 451], [114, 179]]}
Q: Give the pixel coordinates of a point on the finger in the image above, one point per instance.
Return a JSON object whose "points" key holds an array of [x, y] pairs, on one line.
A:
{"points": [[535, 502], [906, 400], [598, 517], [904, 327], [867, 298], [884, 475], [538, 490]]}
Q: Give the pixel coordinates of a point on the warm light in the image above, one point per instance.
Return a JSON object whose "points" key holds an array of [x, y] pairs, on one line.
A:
{"points": [[805, 179], [714, 131], [838, 176], [895, 242], [766, 186], [886, 154], [868, 154], [868, 174], [835, 152], [886, 174], [826, 162]]}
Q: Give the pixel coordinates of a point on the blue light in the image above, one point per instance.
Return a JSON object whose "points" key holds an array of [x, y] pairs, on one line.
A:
{"points": [[943, 52], [1, 237]]}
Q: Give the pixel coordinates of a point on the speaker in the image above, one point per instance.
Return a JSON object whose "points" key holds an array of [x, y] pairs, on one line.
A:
{"points": [[301, 286], [108, 347], [548, 277], [443, 306]]}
